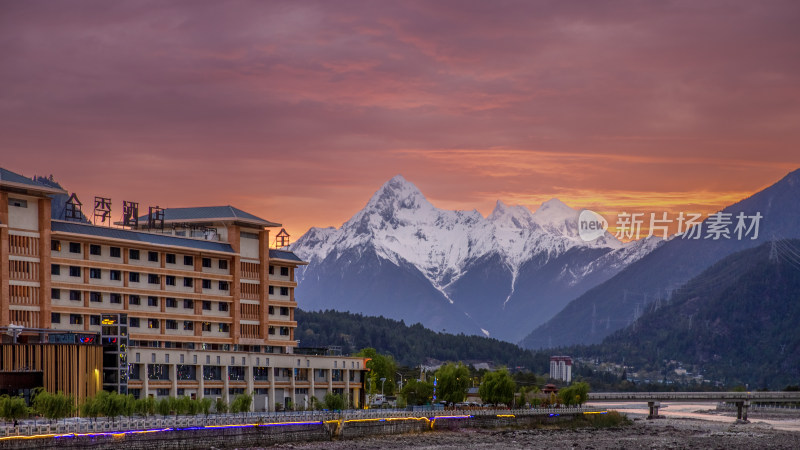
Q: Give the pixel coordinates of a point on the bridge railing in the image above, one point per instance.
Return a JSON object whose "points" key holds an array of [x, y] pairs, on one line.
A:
{"points": [[695, 396]]}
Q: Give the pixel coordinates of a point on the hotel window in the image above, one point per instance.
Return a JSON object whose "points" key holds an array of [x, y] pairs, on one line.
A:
{"points": [[55, 269], [271, 290], [206, 326], [153, 278], [171, 324], [284, 291], [94, 320], [188, 325], [74, 247], [223, 306], [94, 273], [271, 330], [55, 318], [206, 284], [75, 319], [114, 275], [55, 294], [134, 300], [285, 271], [223, 264], [95, 297], [152, 323], [188, 282], [133, 322], [55, 246], [152, 301], [272, 310], [188, 260], [284, 311], [207, 305], [284, 331], [18, 202], [223, 285], [115, 298], [95, 249], [152, 256], [224, 327], [74, 271], [271, 270], [172, 303], [170, 280], [188, 304], [170, 258], [74, 295], [133, 277], [115, 252], [207, 262], [133, 254]]}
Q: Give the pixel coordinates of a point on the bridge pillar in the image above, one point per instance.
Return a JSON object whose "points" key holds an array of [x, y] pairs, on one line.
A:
{"points": [[741, 411], [653, 410]]}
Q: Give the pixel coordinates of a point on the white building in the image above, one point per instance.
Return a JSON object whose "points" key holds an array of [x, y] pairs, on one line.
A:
{"points": [[561, 368]]}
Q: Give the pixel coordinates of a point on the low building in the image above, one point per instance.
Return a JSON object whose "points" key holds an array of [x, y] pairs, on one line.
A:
{"points": [[561, 368], [187, 301]]}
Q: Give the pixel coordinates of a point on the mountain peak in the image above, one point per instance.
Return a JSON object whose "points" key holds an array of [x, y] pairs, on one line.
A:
{"points": [[516, 216]]}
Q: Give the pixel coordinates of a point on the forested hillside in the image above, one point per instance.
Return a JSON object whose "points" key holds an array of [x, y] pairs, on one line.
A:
{"points": [[738, 322], [409, 345]]}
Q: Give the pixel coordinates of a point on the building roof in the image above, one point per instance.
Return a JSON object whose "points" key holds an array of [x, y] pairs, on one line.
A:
{"points": [[12, 179], [285, 255], [139, 236], [211, 213]]}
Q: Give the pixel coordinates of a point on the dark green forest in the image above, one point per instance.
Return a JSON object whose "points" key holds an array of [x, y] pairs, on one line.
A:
{"points": [[408, 345]]}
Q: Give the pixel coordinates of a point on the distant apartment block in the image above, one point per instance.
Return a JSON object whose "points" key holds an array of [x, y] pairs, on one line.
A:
{"points": [[561, 368], [183, 301]]}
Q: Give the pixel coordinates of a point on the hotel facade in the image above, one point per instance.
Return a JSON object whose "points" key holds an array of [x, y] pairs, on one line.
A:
{"points": [[177, 302]]}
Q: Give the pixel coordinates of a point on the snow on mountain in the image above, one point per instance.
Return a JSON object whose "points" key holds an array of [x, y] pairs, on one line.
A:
{"points": [[402, 227]]}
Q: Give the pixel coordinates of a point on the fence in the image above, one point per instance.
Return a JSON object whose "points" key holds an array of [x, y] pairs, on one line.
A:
{"points": [[106, 425]]}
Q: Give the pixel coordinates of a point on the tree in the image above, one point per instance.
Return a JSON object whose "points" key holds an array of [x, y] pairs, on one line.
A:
{"points": [[575, 394], [333, 402], [452, 382], [497, 387], [220, 406], [241, 403], [380, 366], [418, 392], [52, 406], [146, 406], [13, 408]]}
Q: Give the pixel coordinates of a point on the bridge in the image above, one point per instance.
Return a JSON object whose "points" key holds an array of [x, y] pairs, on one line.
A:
{"points": [[742, 400]]}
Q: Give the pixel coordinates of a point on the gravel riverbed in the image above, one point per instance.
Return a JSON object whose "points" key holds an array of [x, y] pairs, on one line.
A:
{"points": [[660, 434]]}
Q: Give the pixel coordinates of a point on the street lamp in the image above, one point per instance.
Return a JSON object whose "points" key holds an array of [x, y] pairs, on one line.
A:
{"points": [[401, 380], [383, 381]]}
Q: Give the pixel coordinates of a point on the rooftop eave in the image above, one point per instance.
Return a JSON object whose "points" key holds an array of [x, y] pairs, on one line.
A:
{"points": [[33, 189]]}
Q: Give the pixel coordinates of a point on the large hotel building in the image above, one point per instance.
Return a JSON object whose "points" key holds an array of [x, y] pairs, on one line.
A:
{"points": [[179, 302]]}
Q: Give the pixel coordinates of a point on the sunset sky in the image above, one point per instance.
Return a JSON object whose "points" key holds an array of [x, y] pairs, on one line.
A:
{"points": [[298, 111]]}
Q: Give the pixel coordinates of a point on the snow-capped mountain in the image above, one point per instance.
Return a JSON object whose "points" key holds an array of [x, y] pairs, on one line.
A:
{"points": [[500, 275]]}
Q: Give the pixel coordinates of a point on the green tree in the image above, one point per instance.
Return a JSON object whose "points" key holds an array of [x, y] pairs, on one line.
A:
{"points": [[163, 406], [380, 366], [575, 394], [52, 406], [146, 406], [497, 387], [221, 406], [333, 402], [13, 408], [418, 392], [452, 382], [241, 403], [205, 406]]}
